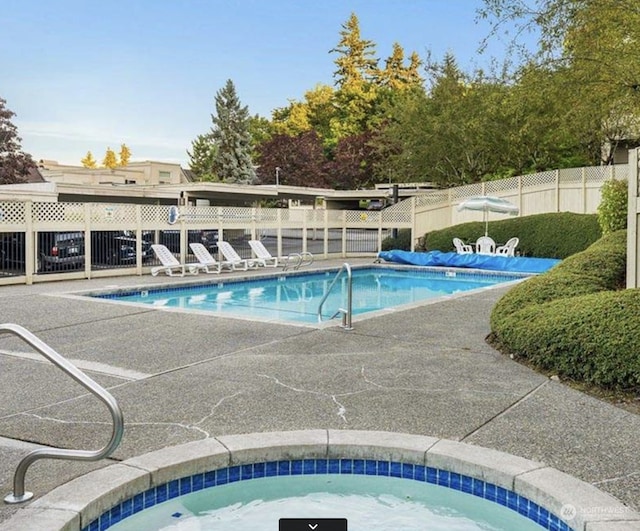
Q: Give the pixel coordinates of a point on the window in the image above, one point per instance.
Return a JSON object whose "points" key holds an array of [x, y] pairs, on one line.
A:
{"points": [[164, 177]]}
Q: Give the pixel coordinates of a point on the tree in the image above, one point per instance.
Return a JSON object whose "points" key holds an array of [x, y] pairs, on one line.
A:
{"points": [[125, 155], [230, 132], [356, 60], [300, 159], [353, 164], [202, 156], [396, 75], [88, 161], [14, 163], [109, 160]]}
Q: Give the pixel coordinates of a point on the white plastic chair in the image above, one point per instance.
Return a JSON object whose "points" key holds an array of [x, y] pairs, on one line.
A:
{"points": [[206, 262], [461, 247], [169, 262], [261, 252], [233, 258], [485, 245], [509, 248]]}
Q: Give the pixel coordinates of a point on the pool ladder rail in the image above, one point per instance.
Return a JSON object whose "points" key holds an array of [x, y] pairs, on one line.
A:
{"points": [[19, 495], [296, 260], [345, 312]]}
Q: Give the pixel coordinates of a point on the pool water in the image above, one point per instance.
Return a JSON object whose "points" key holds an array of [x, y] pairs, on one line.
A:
{"points": [[295, 298], [368, 504]]}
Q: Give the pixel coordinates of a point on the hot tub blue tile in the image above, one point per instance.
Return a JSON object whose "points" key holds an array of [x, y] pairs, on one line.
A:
{"points": [[149, 498], [309, 466], [272, 469], [185, 485], [455, 481], [346, 466], [322, 466], [333, 466], [234, 474], [296, 467], [444, 478], [138, 502], [371, 467], [246, 472], [209, 479], [466, 484], [173, 490], [501, 495], [432, 475], [197, 482], [478, 487], [383, 468], [222, 476], [420, 473], [491, 492], [407, 471], [395, 469], [284, 468], [127, 507], [358, 466], [259, 470]]}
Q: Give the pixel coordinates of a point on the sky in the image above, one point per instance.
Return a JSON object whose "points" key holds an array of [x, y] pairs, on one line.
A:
{"points": [[83, 75]]}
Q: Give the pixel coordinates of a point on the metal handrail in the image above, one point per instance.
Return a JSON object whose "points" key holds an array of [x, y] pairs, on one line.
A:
{"points": [[298, 260], [19, 495], [346, 312]]}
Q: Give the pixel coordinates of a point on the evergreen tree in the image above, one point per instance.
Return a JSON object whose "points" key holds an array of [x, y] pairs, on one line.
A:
{"points": [[110, 160], [89, 161], [125, 155], [356, 62], [202, 156], [230, 132], [14, 164]]}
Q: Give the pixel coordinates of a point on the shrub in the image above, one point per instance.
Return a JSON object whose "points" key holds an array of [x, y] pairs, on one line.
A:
{"points": [[612, 210], [555, 235], [402, 242], [575, 320]]}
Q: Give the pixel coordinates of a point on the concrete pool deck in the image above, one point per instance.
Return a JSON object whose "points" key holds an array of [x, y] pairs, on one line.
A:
{"points": [[181, 378]]}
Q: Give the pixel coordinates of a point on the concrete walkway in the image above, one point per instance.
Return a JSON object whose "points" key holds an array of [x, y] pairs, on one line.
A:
{"points": [[180, 377]]}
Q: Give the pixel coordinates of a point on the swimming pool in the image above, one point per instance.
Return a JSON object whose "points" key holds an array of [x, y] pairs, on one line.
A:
{"points": [[295, 297]]}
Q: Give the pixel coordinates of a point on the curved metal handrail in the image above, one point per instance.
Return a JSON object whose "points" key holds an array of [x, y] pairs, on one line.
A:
{"points": [[19, 495], [346, 312]]}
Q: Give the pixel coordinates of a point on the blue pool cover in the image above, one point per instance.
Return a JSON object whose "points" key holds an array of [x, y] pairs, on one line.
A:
{"points": [[520, 264]]}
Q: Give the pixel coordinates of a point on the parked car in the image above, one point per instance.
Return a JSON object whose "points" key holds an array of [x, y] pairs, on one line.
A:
{"points": [[117, 248], [60, 250]]}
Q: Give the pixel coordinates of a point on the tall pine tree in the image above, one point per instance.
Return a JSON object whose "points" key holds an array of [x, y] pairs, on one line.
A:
{"points": [[202, 157], [230, 132]]}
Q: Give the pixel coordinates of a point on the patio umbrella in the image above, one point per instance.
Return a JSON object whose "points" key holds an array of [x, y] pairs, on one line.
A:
{"points": [[486, 204]]}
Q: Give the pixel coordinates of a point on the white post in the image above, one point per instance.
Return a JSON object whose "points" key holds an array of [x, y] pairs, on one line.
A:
{"points": [[633, 219]]}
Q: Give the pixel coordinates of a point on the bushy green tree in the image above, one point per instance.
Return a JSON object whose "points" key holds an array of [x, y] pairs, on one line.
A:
{"points": [[612, 210], [202, 156], [230, 132]]}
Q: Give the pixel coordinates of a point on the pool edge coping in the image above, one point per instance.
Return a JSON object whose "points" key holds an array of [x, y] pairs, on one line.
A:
{"points": [[76, 503]]}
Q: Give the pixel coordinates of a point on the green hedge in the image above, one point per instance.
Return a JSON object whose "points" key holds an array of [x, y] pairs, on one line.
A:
{"points": [[402, 242], [574, 320], [556, 235]]}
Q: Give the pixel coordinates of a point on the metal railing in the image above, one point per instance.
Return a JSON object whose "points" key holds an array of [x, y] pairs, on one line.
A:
{"points": [[345, 312], [19, 495]]}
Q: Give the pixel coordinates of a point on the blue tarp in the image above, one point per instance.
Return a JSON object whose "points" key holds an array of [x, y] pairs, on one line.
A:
{"points": [[518, 264]]}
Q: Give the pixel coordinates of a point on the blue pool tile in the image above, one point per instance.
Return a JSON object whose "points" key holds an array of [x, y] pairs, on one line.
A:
{"points": [[222, 476], [444, 478], [209, 479], [174, 489], [127, 507], [162, 493], [346, 466], [501, 495], [407, 471], [309, 466], [455, 481], [246, 472], [478, 487], [370, 467], [491, 492], [466, 484], [322, 466], [138, 502], [358, 466], [284, 468], [105, 522], [395, 469], [149, 498], [94, 526], [543, 518], [333, 466], [420, 473], [197, 482], [272, 469], [234, 474], [115, 514], [296, 467], [432, 475], [259, 470], [383, 468], [185, 485]]}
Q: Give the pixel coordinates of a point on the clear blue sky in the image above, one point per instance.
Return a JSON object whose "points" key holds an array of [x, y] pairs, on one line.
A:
{"points": [[84, 75]]}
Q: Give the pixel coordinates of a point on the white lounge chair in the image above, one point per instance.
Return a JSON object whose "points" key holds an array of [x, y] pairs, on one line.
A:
{"points": [[294, 260], [485, 245], [206, 262], [233, 258], [509, 248], [461, 247], [170, 262]]}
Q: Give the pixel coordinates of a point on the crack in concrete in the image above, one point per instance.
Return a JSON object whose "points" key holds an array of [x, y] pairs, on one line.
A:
{"points": [[342, 410], [189, 427], [617, 478]]}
